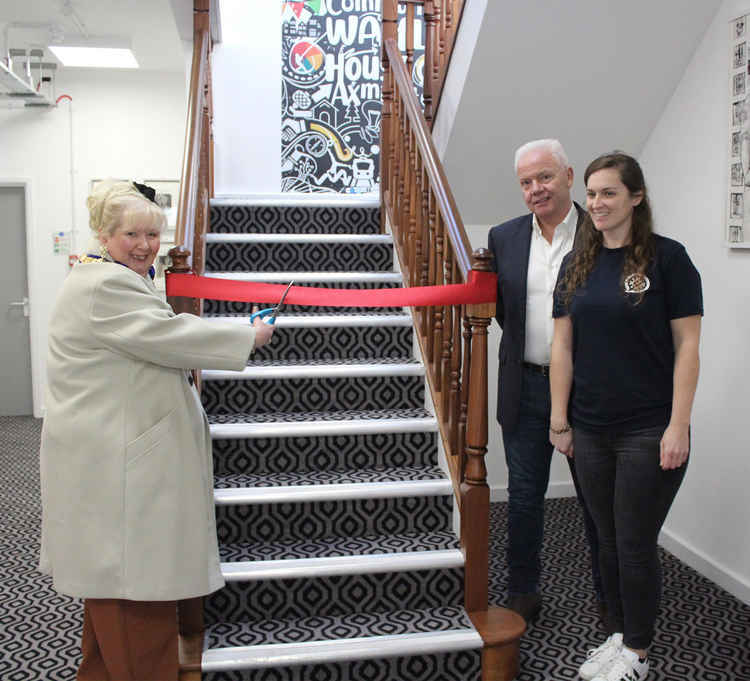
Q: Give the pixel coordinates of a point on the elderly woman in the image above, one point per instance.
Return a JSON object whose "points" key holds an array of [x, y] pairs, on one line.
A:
{"points": [[623, 373], [126, 471]]}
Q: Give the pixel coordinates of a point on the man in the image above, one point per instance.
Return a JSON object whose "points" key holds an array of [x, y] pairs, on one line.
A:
{"points": [[528, 251]]}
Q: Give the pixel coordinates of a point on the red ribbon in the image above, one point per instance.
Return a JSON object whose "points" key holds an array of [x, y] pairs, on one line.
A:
{"points": [[480, 288]]}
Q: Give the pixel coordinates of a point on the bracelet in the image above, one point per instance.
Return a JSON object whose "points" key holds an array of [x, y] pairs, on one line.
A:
{"points": [[564, 429]]}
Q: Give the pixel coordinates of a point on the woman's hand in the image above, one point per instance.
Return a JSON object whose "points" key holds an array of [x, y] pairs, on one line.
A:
{"points": [[675, 447], [263, 331], [563, 442]]}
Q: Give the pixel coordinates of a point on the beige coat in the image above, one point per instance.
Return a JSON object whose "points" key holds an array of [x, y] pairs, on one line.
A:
{"points": [[126, 471]]}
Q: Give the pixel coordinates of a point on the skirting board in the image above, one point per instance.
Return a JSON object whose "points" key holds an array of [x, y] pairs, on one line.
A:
{"points": [[735, 584], [704, 565]]}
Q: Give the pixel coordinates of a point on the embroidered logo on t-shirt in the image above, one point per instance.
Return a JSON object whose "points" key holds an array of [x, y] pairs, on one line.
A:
{"points": [[637, 283]]}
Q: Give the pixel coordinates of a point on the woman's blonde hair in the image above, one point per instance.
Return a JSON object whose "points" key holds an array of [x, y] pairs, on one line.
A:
{"points": [[116, 203]]}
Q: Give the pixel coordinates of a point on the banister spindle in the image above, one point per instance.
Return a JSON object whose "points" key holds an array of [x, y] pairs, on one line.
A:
{"points": [[430, 54]]}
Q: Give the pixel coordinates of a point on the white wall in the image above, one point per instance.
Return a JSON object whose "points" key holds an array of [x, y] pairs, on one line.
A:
{"points": [[596, 74], [247, 99], [127, 124], [685, 161]]}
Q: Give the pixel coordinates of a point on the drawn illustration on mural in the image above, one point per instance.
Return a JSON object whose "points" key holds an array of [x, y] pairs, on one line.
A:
{"points": [[738, 207], [331, 96]]}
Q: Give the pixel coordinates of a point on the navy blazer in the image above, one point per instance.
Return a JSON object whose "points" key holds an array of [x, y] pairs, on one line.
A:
{"points": [[510, 243]]}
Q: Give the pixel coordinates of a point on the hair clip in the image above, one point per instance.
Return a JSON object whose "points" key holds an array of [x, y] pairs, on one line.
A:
{"points": [[148, 192]]}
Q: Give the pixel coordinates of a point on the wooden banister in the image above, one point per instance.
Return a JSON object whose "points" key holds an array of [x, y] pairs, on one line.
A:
{"points": [[196, 182], [441, 21], [188, 255], [434, 249]]}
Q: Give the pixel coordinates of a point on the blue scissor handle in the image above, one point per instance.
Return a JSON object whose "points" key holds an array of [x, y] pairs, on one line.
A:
{"points": [[264, 313]]}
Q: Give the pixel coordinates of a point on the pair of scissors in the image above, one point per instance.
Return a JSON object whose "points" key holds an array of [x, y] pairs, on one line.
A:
{"points": [[271, 312]]}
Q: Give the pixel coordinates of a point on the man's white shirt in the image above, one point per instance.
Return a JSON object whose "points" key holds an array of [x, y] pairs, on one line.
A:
{"points": [[544, 264]]}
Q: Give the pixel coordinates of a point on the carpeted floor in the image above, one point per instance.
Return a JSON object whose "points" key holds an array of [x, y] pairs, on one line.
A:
{"points": [[703, 632]]}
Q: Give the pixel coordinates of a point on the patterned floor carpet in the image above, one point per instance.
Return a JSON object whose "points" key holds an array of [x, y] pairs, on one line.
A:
{"points": [[703, 632]]}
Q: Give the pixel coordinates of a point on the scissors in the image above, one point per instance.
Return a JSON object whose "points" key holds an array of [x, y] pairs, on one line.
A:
{"points": [[271, 312]]}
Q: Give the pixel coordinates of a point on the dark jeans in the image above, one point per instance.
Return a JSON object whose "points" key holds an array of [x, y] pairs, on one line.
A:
{"points": [[629, 496], [528, 453]]}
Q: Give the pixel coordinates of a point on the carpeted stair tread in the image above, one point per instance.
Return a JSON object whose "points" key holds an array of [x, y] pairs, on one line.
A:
{"points": [[372, 544], [343, 477], [310, 416], [322, 628]]}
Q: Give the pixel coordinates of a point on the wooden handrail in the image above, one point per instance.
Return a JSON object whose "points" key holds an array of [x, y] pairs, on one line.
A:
{"points": [[433, 249], [196, 182], [188, 255], [441, 21]]}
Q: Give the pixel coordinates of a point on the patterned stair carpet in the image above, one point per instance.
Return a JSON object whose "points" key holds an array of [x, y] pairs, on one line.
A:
{"points": [[704, 632]]}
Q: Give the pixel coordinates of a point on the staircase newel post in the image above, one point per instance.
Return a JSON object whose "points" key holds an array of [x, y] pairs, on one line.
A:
{"points": [[389, 30], [475, 494], [179, 257]]}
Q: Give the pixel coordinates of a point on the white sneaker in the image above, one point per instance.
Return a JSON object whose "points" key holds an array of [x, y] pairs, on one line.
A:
{"points": [[597, 659], [627, 666]]}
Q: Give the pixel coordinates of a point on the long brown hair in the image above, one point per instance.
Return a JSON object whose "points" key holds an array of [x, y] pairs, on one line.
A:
{"points": [[588, 243]]}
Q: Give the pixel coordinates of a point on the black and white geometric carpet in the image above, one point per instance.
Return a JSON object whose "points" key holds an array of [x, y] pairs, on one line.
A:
{"points": [[703, 633]]}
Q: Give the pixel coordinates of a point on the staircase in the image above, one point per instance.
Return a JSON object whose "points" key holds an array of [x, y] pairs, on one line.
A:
{"points": [[334, 518]]}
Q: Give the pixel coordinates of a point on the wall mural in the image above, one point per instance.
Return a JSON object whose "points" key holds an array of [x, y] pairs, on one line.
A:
{"points": [[331, 94], [738, 208]]}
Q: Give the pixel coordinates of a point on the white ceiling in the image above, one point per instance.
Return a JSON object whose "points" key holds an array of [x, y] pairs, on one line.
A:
{"points": [[597, 74], [155, 28]]}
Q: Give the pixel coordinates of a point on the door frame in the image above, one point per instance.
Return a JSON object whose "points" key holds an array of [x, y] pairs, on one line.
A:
{"points": [[34, 332]]}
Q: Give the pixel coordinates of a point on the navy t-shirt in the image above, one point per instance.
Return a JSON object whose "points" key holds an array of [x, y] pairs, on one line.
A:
{"points": [[623, 353]]}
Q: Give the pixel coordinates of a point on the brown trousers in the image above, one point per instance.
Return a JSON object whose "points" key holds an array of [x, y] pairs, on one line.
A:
{"points": [[129, 641]]}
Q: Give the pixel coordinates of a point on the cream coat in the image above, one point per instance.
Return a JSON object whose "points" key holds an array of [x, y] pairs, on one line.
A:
{"points": [[126, 471]]}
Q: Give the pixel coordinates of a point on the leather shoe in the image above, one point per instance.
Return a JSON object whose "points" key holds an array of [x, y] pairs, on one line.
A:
{"points": [[527, 605]]}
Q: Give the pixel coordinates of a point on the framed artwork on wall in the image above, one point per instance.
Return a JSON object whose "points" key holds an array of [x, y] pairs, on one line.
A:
{"points": [[738, 190], [167, 195]]}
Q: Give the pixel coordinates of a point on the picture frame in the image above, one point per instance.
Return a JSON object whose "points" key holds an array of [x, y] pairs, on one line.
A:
{"points": [[167, 196]]}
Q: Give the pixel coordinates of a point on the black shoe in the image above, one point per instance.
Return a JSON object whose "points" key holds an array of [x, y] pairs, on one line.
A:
{"points": [[526, 605]]}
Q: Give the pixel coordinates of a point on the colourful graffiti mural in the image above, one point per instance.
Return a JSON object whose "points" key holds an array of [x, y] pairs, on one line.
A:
{"points": [[331, 95]]}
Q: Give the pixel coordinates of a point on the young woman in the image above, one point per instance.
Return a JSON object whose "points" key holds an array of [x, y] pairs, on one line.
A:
{"points": [[623, 373]]}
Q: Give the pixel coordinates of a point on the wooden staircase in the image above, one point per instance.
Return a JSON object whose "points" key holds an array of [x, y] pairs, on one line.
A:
{"points": [[333, 512]]}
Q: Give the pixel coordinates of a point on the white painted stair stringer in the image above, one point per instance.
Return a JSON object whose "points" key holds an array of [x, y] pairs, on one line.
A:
{"points": [[340, 650], [334, 566]]}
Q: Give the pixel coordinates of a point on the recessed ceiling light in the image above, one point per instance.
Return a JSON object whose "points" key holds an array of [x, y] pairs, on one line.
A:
{"points": [[95, 57]]}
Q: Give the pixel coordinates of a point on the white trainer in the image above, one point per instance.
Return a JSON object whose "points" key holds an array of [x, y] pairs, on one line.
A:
{"points": [[598, 659], [627, 666]]}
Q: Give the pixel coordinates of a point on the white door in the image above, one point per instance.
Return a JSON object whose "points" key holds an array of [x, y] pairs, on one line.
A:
{"points": [[15, 349]]}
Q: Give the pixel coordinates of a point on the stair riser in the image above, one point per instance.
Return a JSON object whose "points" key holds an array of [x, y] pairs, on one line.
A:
{"points": [[350, 518], [294, 220], [359, 342], [298, 257], [302, 394], [227, 307], [334, 596], [343, 452], [465, 665]]}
